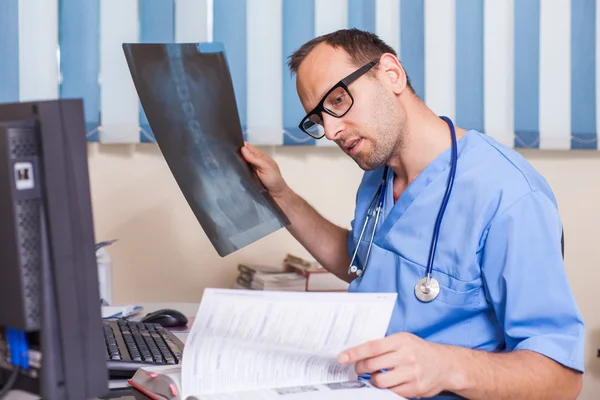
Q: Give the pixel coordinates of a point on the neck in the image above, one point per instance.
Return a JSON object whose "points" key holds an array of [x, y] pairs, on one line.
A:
{"points": [[426, 136]]}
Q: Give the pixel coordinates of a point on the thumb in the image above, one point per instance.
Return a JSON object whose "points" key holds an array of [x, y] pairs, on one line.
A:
{"points": [[253, 155]]}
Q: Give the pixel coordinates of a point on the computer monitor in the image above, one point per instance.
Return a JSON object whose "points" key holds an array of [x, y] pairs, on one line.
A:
{"points": [[48, 273]]}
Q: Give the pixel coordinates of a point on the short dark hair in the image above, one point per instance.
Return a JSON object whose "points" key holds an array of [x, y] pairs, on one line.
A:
{"points": [[361, 47]]}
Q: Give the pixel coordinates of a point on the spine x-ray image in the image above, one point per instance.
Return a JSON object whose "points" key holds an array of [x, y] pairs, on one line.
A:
{"points": [[187, 94]]}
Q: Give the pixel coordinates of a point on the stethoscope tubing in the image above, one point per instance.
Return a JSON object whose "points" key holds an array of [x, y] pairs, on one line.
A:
{"points": [[377, 202], [438, 222], [379, 198]]}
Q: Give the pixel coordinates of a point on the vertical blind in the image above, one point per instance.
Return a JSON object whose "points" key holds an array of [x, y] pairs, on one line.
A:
{"points": [[526, 72]]}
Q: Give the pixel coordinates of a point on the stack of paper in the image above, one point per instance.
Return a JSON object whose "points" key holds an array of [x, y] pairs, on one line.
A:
{"points": [[318, 279], [288, 281], [267, 277], [247, 273]]}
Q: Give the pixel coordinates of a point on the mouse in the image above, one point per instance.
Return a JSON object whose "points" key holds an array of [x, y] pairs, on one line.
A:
{"points": [[166, 317]]}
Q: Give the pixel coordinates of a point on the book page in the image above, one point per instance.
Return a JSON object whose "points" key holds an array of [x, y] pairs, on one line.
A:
{"points": [[245, 340], [354, 390]]}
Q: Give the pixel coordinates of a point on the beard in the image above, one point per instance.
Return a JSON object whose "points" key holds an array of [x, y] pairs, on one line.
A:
{"points": [[388, 127]]}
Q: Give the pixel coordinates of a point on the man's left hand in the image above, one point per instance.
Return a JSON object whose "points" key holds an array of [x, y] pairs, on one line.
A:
{"points": [[414, 367]]}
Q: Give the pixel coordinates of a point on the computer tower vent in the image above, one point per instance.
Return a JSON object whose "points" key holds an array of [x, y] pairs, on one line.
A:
{"points": [[28, 233], [22, 145]]}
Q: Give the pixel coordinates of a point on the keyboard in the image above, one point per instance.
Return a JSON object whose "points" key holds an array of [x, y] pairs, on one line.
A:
{"points": [[131, 345]]}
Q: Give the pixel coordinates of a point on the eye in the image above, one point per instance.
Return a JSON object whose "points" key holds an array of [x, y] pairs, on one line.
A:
{"points": [[339, 100]]}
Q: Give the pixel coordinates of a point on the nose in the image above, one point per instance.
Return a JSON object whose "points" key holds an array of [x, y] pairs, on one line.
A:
{"points": [[333, 126]]}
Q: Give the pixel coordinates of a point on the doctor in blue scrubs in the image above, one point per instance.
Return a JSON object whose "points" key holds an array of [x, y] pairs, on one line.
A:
{"points": [[463, 229]]}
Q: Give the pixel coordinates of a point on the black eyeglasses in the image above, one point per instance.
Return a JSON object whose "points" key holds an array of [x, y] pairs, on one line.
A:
{"points": [[336, 102]]}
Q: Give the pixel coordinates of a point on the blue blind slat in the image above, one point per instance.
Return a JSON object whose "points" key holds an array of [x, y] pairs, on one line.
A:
{"points": [[361, 15], [583, 74], [527, 71], [9, 51], [298, 27], [79, 41], [412, 43], [229, 28], [469, 64]]}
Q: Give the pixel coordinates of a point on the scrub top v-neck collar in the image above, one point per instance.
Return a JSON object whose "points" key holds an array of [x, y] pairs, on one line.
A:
{"points": [[438, 168]]}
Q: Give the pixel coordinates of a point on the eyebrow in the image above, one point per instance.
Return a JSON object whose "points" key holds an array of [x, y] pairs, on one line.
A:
{"points": [[324, 92], [320, 98], [327, 90]]}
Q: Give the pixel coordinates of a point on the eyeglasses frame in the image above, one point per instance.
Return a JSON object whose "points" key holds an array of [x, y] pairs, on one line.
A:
{"points": [[344, 83]]}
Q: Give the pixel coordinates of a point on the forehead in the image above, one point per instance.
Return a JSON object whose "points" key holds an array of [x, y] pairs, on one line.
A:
{"points": [[322, 68]]}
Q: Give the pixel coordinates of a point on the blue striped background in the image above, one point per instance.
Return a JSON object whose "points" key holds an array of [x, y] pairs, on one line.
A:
{"points": [[469, 64], [229, 18], [298, 27], [361, 14], [583, 74], [527, 63], [412, 43], [9, 51], [78, 35], [79, 38]]}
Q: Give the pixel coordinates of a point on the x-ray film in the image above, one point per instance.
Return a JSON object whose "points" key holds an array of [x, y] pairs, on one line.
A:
{"points": [[187, 95]]}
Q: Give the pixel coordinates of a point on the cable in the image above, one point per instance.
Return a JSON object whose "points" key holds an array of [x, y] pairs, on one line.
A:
{"points": [[9, 383], [19, 357]]}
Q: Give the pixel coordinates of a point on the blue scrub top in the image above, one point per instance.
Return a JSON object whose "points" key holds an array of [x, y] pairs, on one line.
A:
{"points": [[498, 260]]}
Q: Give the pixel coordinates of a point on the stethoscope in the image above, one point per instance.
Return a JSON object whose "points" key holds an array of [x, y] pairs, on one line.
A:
{"points": [[427, 288]]}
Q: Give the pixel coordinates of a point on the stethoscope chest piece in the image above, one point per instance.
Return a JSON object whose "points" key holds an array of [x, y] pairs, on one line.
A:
{"points": [[427, 289]]}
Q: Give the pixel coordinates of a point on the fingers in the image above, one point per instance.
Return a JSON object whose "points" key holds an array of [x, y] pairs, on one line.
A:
{"points": [[248, 151], [404, 381], [388, 379], [368, 350], [253, 150], [254, 156], [378, 363]]}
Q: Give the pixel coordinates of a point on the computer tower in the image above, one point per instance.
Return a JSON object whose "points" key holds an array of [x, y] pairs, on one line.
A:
{"points": [[48, 272]]}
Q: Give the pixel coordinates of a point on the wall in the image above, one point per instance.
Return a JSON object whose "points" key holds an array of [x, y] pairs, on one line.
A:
{"points": [[163, 254], [575, 178]]}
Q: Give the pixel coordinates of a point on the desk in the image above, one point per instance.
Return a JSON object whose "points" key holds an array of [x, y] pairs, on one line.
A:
{"points": [[188, 309]]}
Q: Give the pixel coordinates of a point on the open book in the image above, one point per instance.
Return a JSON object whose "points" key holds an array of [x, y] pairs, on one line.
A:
{"points": [[247, 344]]}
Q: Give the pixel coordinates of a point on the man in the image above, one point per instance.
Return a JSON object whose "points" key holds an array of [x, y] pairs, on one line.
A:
{"points": [[504, 323]]}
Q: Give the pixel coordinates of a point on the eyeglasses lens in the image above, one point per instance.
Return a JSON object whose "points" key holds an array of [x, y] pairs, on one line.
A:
{"points": [[314, 126], [338, 102]]}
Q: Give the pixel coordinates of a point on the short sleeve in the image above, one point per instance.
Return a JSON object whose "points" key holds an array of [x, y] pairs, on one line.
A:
{"points": [[526, 282]]}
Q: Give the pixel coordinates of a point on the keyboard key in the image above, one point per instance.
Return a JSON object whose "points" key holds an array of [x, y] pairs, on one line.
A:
{"points": [[170, 360], [137, 342]]}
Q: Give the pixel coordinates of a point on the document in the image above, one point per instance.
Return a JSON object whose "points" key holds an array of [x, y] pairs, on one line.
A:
{"points": [[356, 390], [247, 344], [187, 95]]}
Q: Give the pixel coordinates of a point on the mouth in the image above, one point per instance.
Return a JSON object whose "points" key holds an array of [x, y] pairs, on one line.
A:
{"points": [[353, 146]]}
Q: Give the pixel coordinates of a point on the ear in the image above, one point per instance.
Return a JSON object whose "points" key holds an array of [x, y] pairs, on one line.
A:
{"points": [[394, 73]]}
